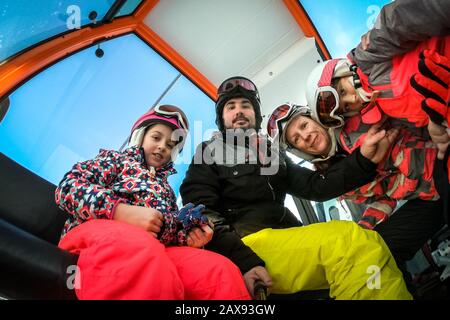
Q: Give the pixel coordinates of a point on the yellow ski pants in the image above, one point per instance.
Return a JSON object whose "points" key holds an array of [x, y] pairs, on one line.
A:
{"points": [[354, 263]]}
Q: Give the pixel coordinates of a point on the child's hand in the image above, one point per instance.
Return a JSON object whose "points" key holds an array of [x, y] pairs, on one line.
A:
{"points": [[196, 229], [149, 219], [440, 136], [365, 40], [198, 237]]}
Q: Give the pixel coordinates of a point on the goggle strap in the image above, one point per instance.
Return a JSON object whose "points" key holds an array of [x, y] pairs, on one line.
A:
{"points": [[170, 114]]}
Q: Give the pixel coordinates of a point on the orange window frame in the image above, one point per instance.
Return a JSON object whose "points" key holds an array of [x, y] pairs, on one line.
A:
{"points": [[19, 69], [306, 25]]}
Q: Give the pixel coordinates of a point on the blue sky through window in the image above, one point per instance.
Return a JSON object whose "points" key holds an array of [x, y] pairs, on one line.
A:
{"points": [[24, 23], [341, 23], [128, 7], [83, 103]]}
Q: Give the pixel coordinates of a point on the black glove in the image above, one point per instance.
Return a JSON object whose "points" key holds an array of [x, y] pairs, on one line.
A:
{"points": [[432, 82]]}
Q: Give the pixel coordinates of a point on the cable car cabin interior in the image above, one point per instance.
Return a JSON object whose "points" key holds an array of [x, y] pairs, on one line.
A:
{"points": [[74, 75]]}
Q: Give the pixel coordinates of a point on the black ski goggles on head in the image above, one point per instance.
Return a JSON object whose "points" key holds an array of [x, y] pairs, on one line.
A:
{"points": [[228, 85]]}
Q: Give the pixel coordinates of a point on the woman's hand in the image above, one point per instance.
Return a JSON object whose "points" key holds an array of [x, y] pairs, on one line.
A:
{"points": [[151, 220], [377, 142]]}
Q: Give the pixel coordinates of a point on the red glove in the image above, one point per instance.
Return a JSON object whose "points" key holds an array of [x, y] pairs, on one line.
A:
{"points": [[432, 82]]}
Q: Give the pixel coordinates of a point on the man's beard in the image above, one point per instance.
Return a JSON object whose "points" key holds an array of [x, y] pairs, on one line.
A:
{"points": [[248, 126]]}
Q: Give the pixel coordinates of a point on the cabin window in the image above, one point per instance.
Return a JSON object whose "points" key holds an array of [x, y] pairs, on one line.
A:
{"points": [[343, 22], [128, 8], [25, 23], [332, 209], [69, 111]]}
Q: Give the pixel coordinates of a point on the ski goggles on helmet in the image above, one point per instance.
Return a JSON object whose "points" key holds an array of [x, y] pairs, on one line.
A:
{"points": [[281, 115], [166, 113], [327, 106], [228, 85], [172, 111]]}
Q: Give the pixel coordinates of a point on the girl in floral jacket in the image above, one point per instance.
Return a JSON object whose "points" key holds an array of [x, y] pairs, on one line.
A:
{"points": [[121, 204]]}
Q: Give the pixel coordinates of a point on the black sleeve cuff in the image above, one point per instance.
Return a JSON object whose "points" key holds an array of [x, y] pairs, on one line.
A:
{"points": [[231, 246], [364, 163]]}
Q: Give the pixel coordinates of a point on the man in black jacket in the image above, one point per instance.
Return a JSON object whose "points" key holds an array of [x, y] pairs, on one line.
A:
{"points": [[242, 179]]}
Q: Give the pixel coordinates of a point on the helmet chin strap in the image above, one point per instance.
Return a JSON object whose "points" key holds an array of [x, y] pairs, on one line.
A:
{"points": [[356, 83], [137, 137], [333, 149], [355, 77]]}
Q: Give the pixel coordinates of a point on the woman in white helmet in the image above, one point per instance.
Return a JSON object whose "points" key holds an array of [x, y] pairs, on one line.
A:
{"points": [[407, 173]]}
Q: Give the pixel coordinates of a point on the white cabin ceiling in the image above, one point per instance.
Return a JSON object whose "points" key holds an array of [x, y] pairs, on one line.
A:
{"points": [[258, 39]]}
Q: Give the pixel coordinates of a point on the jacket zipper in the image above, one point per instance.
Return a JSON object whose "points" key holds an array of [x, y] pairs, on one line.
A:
{"points": [[271, 189]]}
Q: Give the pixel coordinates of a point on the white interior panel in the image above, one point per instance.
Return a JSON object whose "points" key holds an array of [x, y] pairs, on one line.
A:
{"points": [[225, 38], [258, 39], [284, 80]]}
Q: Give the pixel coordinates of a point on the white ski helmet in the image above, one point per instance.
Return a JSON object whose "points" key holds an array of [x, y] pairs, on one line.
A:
{"points": [[321, 97]]}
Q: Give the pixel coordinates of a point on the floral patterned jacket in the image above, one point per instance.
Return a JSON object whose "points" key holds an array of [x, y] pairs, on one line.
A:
{"points": [[93, 188]]}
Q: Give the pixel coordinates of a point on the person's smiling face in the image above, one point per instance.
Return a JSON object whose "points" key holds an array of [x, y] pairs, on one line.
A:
{"points": [[349, 100], [238, 113], [157, 145], [305, 134]]}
